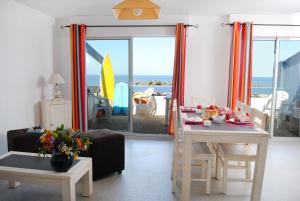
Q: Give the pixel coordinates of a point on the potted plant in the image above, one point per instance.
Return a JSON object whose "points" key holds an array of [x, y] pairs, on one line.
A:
{"points": [[64, 144]]}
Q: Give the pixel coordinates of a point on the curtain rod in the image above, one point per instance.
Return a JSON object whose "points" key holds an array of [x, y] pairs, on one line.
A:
{"points": [[118, 26], [279, 25]]}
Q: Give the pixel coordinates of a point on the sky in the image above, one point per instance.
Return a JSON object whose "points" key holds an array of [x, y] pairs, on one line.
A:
{"points": [[118, 52], [263, 55], [151, 55], [155, 55]]}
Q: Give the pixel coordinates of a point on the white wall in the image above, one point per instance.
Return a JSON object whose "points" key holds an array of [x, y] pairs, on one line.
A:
{"points": [[26, 55], [208, 50]]}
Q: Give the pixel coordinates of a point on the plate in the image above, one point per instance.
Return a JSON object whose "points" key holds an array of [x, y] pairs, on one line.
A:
{"points": [[193, 120], [187, 110], [238, 123]]}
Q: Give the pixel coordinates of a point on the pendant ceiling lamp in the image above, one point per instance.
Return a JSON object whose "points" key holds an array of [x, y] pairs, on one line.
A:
{"points": [[136, 10]]}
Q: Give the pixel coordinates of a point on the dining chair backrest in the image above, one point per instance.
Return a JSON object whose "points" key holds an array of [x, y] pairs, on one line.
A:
{"points": [[239, 108], [202, 100], [258, 118], [175, 120], [247, 110]]}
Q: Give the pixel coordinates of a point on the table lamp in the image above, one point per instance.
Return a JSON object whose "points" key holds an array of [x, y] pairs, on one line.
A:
{"points": [[57, 79]]}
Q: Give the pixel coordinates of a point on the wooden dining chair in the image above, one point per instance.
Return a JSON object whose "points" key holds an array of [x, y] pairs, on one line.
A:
{"points": [[202, 100], [239, 108], [258, 118], [227, 153], [247, 110], [201, 155]]}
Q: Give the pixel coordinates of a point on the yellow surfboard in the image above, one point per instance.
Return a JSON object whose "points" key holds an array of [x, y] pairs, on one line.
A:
{"points": [[107, 79]]}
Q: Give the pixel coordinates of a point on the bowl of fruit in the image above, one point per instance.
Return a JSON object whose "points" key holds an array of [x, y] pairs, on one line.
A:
{"points": [[212, 111]]}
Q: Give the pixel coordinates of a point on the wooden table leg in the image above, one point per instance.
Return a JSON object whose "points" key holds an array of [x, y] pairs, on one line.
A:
{"points": [[68, 191], [186, 174], [257, 185], [13, 184], [87, 183]]}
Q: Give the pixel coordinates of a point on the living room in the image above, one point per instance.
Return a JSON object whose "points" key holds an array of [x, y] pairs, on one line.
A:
{"points": [[224, 62]]}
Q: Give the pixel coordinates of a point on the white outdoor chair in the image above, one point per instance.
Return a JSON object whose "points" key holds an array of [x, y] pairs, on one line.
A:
{"points": [[104, 104], [296, 115], [201, 156], [146, 106], [95, 104], [149, 91], [280, 96], [91, 106], [284, 115]]}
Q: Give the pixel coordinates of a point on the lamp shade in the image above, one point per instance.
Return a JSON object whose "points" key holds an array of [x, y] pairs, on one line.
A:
{"points": [[136, 10], [56, 78]]}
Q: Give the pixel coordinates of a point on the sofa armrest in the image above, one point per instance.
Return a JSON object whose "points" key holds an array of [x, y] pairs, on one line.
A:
{"points": [[11, 135]]}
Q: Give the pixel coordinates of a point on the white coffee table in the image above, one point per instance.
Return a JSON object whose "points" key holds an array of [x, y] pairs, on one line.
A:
{"points": [[16, 172]]}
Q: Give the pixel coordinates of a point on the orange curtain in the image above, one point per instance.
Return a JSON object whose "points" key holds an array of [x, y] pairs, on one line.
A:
{"points": [[79, 91], [178, 72], [240, 71]]}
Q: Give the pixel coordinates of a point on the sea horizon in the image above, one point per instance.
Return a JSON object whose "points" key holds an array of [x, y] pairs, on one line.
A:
{"points": [[260, 84]]}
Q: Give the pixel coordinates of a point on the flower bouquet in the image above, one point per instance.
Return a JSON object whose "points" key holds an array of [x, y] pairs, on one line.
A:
{"points": [[64, 144]]}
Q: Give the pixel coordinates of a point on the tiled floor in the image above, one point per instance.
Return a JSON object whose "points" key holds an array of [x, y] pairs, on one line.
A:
{"points": [[147, 178]]}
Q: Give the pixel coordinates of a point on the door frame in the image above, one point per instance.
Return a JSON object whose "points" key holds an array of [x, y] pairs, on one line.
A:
{"points": [[130, 75]]}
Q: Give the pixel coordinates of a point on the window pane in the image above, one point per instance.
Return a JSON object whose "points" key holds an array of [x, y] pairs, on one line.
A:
{"points": [[262, 74], [153, 60], [287, 112], [107, 82]]}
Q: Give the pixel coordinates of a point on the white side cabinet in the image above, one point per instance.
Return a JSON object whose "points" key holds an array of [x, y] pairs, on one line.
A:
{"points": [[56, 112]]}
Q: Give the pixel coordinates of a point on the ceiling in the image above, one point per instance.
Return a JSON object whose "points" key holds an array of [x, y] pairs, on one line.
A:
{"points": [[69, 8]]}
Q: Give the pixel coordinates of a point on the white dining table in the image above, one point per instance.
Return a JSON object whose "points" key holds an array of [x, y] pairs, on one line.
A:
{"points": [[223, 133]]}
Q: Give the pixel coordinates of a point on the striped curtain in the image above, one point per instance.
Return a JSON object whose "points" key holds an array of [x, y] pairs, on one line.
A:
{"points": [[240, 70], [178, 72], [79, 91]]}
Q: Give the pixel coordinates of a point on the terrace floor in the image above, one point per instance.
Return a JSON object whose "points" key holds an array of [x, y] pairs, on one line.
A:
{"points": [[285, 130], [141, 124]]}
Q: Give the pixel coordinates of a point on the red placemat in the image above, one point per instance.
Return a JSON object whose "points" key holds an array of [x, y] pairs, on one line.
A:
{"points": [[188, 110]]}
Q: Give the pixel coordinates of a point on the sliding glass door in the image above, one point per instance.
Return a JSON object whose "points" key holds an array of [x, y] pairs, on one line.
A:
{"points": [[153, 60], [287, 103], [276, 70], [129, 83], [107, 65]]}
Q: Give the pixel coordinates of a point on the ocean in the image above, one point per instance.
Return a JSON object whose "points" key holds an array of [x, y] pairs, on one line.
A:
{"points": [[93, 80], [260, 85]]}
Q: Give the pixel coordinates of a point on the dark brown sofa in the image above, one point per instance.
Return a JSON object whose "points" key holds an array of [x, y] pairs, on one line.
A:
{"points": [[107, 150]]}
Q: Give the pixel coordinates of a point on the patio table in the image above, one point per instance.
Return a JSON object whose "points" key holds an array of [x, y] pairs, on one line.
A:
{"points": [[224, 133]]}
